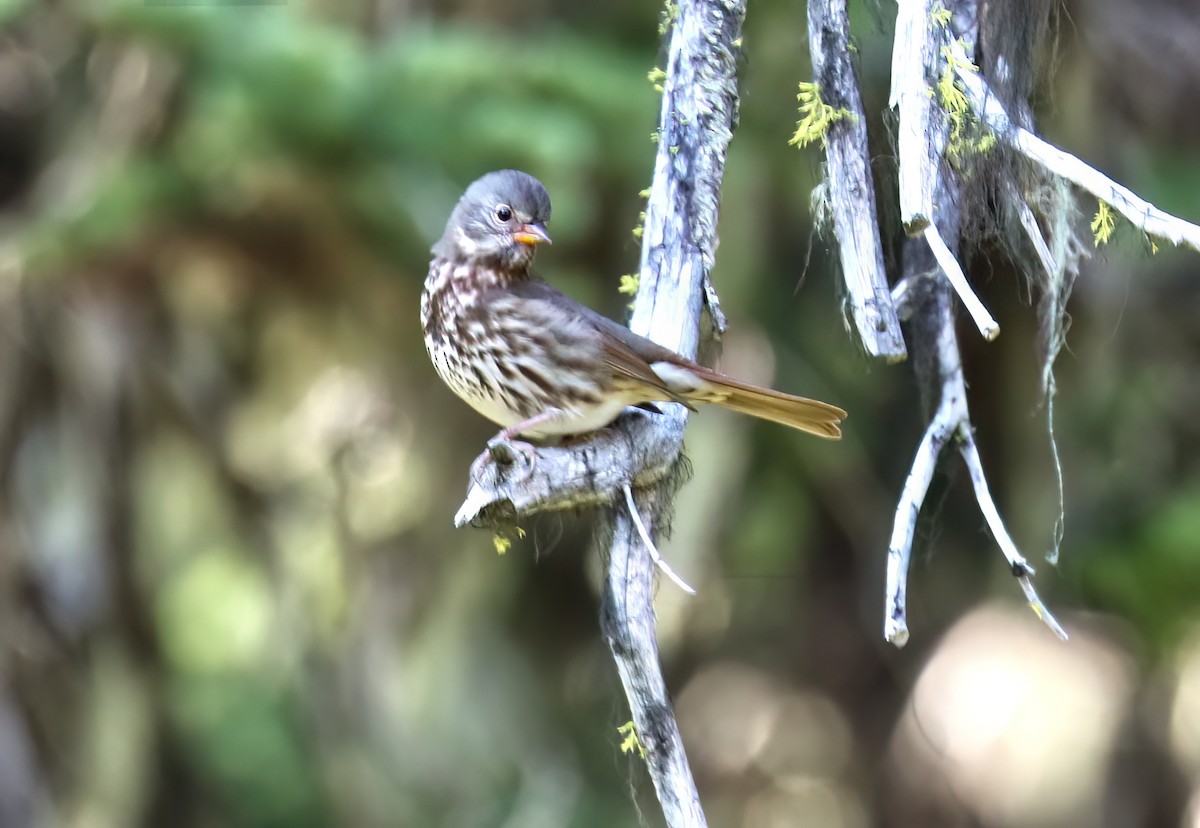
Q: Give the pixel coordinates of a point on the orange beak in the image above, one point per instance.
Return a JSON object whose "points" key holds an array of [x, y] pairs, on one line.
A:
{"points": [[532, 234]]}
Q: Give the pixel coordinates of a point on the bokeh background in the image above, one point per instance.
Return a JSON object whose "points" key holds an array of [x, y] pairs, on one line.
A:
{"points": [[230, 593]]}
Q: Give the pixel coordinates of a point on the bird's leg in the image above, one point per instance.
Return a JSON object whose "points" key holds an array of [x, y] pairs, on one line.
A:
{"points": [[503, 449]]}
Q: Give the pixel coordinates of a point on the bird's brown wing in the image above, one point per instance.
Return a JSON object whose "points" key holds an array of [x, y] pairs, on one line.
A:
{"points": [[695, 383], [632, 356], [627, 354], [645, 351]]}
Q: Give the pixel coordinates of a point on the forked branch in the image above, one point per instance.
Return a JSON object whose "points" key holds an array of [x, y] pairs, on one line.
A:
{"points": [[951, 421], [930, 198]]}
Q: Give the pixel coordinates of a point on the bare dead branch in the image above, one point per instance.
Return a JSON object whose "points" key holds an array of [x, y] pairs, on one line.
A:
{"points": [[851, 195], [920, 132], [951, 420], [679, 244], [1141, 213], [1021, 569], [916, 485], [925, 294], [678, 250], [923, 135]]}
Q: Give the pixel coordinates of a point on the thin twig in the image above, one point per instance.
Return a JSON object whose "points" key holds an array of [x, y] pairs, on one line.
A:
{"points": [[1032, 231], [1021, 569], [916, 485], [713, 303], [954, 272], [983, 496], [658, 559], [901, 296]]}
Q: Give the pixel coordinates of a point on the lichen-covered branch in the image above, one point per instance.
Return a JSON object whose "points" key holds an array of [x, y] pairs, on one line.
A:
{"points": [[679, 245], [850, 193], [931, 275], [923, 128], [1141, 213]]}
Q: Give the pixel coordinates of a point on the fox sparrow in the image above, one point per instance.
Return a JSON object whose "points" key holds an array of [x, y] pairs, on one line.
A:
{"points": [[540, 364]]}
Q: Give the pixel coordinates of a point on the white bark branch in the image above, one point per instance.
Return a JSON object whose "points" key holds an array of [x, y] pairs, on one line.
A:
{"points": [[951, 420], [1021, 569], [928, 305], [1141, 213], [920, 138], [651, 548], [949, 265], [851, 193], [1032, 231], [916, 486], [640, 452]]}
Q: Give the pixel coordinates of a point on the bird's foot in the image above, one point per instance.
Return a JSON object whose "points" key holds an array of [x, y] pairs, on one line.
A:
{"points": [[504, 452]]}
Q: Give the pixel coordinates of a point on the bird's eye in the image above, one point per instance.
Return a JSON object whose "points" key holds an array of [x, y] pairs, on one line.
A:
{"points": [[503, 213]]}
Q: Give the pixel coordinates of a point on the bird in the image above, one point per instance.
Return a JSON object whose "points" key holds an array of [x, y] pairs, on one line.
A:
{"points": [[541, 365]]}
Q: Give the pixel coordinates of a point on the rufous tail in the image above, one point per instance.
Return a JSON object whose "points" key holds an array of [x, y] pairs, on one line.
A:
{"points": [[705, 386]]}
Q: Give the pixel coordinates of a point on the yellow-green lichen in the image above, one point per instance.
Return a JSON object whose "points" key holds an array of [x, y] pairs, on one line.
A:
{"points": [[816, 116]]}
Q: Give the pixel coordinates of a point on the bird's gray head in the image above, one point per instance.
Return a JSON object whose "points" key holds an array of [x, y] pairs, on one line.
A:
{"points": [[500, 218]]}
